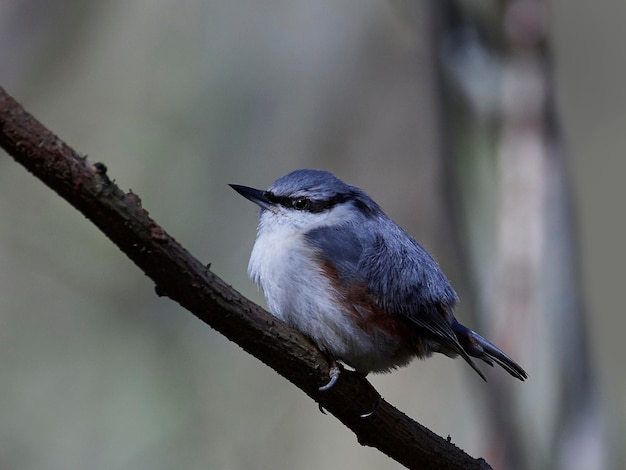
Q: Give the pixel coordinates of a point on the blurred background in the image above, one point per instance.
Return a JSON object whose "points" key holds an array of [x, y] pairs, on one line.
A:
{"points": [[491, 131]]}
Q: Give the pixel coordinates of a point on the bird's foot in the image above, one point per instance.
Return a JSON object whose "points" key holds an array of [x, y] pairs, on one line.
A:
{"points": [[333, 372], [334, 376]]}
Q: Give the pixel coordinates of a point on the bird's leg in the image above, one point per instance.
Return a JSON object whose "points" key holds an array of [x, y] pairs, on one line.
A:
{"points": [[334, 375], [333, 372]]}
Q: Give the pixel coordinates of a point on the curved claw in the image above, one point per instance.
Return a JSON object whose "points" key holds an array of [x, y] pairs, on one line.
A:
{"points": [[370, 413], [334, 376], [319, 405]]}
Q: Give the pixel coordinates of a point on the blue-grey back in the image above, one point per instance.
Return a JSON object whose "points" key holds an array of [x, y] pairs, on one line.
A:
{"points": [[376, 252]]}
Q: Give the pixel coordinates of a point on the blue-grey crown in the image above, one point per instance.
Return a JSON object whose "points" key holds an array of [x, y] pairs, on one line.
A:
{"points": [[314, 183]]}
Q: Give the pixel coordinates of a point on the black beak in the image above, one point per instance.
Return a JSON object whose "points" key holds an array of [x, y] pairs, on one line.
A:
{"points": [[255, 195]]}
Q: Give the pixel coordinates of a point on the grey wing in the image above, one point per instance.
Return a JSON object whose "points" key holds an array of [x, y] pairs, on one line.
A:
{"points": [[400, 275], [408, 282]]}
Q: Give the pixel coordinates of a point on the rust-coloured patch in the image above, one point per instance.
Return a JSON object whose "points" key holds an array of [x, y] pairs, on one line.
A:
{"points": [[369, 316]]}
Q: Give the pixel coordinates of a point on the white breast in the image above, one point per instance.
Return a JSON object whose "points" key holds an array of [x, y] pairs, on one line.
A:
{"points": [[297, 292]]}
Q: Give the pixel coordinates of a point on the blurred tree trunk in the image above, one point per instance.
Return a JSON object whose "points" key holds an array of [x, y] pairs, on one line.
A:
{"points": [[510, 210]]}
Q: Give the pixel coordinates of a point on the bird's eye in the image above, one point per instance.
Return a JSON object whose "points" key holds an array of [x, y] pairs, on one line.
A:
{"points": [[301, 203]]}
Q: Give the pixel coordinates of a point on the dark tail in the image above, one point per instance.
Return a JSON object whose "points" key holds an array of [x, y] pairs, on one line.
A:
{"points": [[477, 346]]}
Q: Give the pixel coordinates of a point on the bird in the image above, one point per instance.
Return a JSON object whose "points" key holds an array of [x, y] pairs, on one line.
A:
{"points": [[334, 266]]}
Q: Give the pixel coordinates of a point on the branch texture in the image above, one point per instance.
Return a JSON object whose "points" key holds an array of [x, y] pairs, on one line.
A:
{"points": [[180, 276]]}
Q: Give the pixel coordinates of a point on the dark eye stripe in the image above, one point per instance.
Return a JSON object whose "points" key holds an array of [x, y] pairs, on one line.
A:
{"points": [[313, 205]]}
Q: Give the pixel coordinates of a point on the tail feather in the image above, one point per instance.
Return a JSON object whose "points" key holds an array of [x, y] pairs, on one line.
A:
{"points": [[477, 346]]}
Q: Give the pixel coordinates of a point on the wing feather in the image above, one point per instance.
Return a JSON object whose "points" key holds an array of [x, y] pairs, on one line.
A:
{"points": [[404, 279]]}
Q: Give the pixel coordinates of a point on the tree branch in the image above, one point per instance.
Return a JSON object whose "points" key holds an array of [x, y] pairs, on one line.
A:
{"points": [[184, 279]]}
